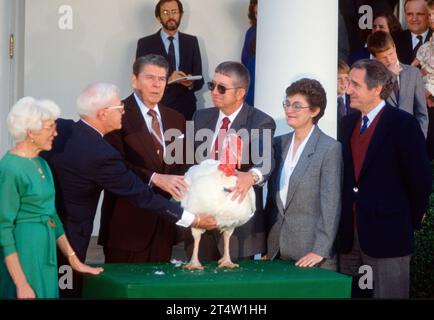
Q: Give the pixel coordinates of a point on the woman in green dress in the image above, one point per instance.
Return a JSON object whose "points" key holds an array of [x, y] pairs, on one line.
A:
{"points": [[29, 224]]}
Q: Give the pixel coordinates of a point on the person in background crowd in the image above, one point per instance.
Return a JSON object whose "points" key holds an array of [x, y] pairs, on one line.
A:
{"points": [[408, 90], [181, 51], [248, 55]]}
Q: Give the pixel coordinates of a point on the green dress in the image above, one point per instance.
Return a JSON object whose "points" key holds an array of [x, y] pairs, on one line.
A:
{"points": [[29, 224]]}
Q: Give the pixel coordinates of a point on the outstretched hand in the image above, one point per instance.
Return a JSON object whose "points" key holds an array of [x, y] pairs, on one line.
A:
{"points": [[78, 266], [173, 184], [309, 260]]}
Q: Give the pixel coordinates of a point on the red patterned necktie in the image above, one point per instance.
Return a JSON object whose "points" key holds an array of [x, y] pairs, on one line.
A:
{"points": [[222, 132]]}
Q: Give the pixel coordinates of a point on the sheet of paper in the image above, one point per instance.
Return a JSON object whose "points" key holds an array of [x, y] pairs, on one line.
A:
{"points": [[186, 78]]}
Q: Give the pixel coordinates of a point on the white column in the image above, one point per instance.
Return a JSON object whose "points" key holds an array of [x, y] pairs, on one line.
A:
{"points": [[296, 39]]}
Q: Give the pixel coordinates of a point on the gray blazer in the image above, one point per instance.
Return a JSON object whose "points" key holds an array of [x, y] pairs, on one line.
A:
{"points": [[309, 219], [411, 95]]}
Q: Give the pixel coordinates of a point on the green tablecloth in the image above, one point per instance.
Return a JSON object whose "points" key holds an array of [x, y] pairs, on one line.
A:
{"points": [[254, 279]]}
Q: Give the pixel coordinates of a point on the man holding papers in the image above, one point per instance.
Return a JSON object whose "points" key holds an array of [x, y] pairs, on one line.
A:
{"points": [[181, 51]]}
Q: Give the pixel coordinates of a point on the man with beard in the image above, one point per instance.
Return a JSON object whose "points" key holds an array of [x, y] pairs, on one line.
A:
{"points": [[181, 51]]}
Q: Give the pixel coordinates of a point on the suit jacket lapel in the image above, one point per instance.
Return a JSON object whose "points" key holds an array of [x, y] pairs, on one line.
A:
{"points": [[346, 141], [393, 99], [428, 36], [404, 80], [160, 44], [302, 165], [134, 121], [183, 52], [209, 123], [240, 120], [283, 151]]}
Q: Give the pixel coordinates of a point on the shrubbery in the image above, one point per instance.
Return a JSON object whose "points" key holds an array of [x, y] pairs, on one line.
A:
{"points": [[422, 263]]}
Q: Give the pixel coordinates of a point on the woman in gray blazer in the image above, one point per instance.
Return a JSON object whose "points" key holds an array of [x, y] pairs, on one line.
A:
{"points": [[304, 192]]}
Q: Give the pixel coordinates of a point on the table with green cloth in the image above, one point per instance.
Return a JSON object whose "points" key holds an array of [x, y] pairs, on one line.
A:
{"points": [[253, 279]]}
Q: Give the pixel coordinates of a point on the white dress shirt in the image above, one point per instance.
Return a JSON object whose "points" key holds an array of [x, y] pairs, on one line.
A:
{"points": [[289, 165], [232, 119], [373, 113]]}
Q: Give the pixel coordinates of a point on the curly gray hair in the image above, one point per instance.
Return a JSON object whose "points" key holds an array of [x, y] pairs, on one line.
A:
{"points": [[30, 114]]}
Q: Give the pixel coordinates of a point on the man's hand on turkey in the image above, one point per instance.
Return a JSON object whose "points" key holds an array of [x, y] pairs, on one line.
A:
{"points": [[244, 182], [173, 184]]}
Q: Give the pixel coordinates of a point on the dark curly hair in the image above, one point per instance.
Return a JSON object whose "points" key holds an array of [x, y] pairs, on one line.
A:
{"points": [[392, 21], [313, 92]]}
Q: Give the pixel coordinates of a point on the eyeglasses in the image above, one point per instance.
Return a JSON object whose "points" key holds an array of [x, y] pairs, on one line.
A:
{"points": [[167, 13], [121, 108], [296, 106], [220, 88]]}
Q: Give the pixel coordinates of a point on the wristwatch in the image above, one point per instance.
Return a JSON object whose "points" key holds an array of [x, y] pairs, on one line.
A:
{"points": [[255, 177]]}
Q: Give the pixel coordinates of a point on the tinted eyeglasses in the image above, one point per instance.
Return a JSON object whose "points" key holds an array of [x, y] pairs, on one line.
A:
{"points": [[220, 88]]}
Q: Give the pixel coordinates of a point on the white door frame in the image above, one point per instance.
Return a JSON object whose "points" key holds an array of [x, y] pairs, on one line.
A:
{"points": [[11, 68]]}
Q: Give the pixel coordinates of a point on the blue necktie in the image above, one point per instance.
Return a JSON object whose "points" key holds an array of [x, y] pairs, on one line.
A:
{"points": [[418, 45], [364, 126], [342, 110], [171, 55]]}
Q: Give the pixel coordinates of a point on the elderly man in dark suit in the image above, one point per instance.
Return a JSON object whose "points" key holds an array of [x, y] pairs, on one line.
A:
{"points": [[409, 41], [387, 182], [181, 51], [89, 164], [228, 90], [127, 234]]}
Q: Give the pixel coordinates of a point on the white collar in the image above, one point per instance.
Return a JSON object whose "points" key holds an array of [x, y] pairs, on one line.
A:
{"points": [[165, 36], [231, 116], [373, 113], [144, 108]]}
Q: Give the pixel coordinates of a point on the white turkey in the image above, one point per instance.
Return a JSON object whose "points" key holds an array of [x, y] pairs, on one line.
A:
{"points": [[211, 188]]}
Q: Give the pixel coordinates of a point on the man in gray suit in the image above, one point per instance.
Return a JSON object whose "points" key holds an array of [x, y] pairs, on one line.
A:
{"points": [[228, 91], [408, 91], [304, 192]]}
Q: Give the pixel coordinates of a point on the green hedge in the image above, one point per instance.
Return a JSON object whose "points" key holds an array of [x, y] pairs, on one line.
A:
{"points": [[422, 263]]}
